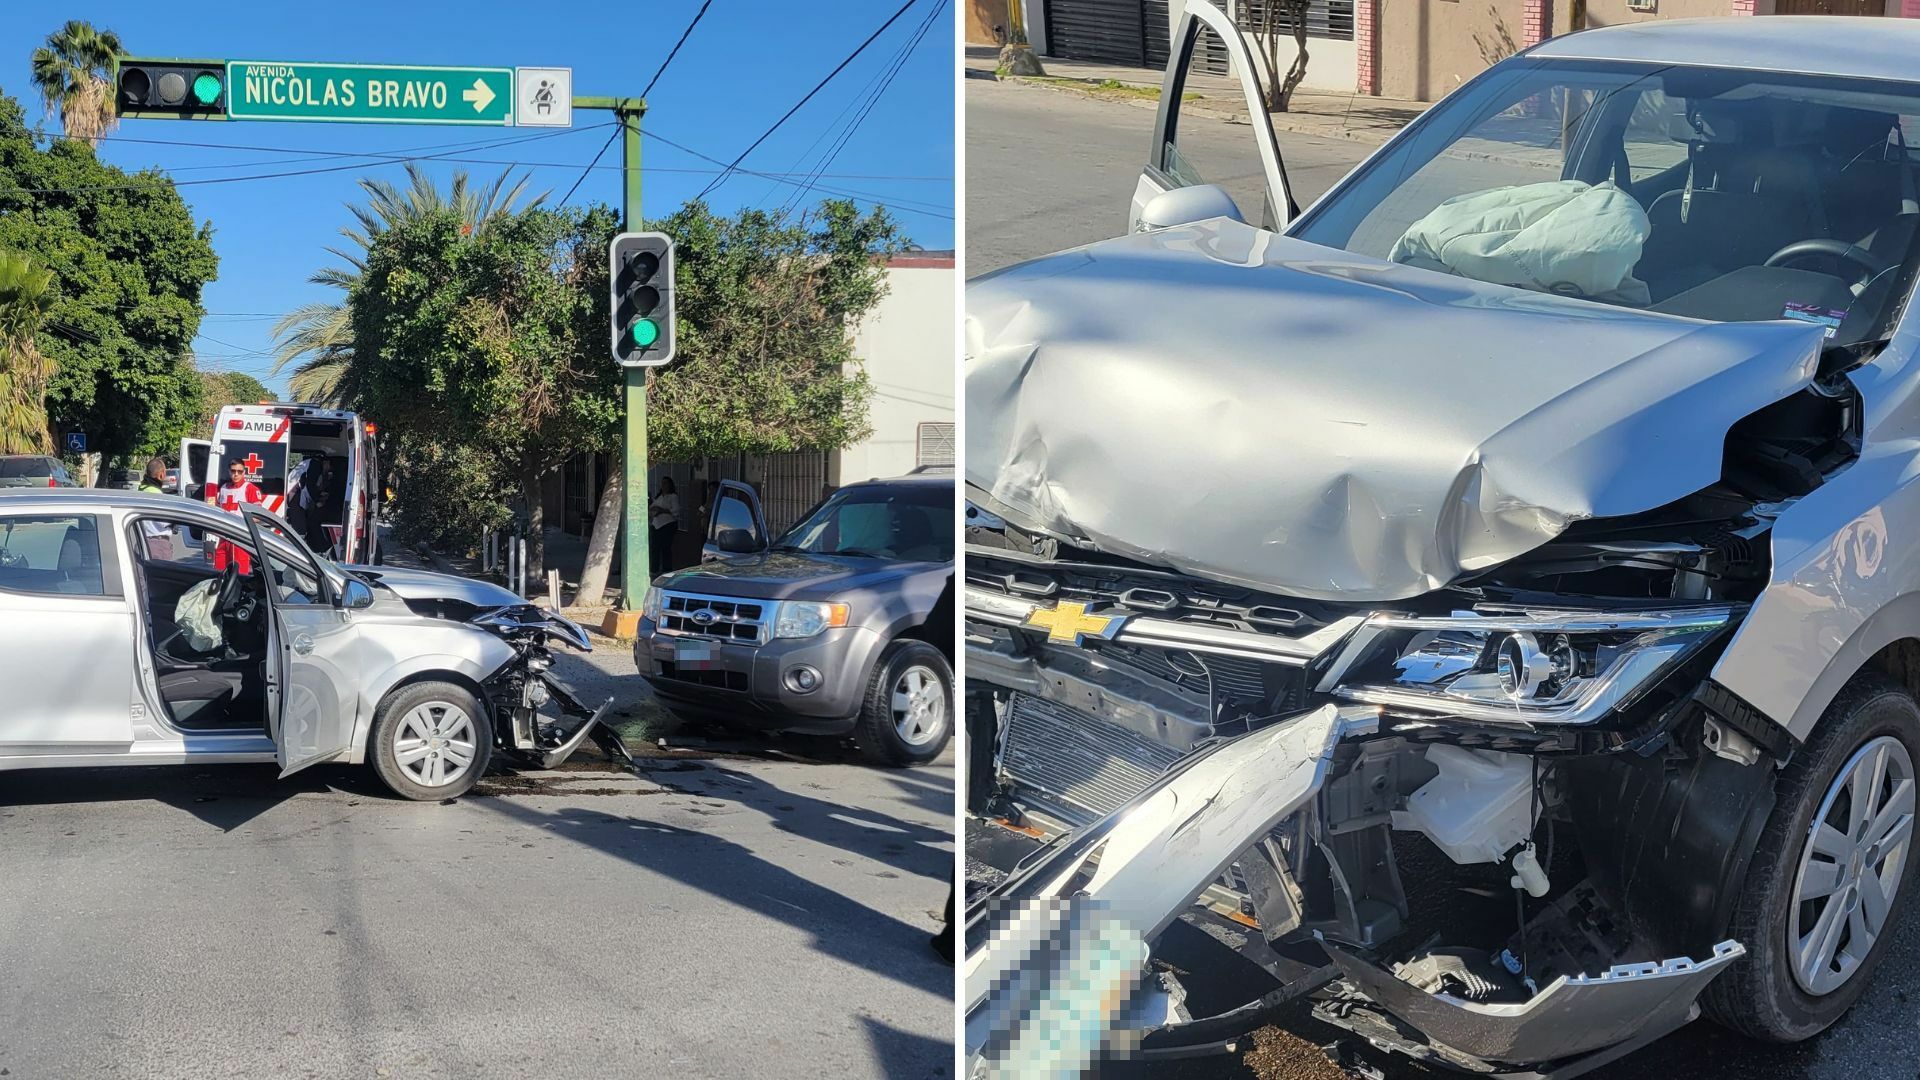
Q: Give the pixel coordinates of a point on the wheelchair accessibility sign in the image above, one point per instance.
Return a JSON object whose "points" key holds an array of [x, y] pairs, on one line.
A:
{"points": [[76, 442]]}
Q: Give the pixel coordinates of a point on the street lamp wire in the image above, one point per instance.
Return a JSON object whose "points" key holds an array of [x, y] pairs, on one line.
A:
{"points": [[588, 171], [735, 163], [675, 51]]}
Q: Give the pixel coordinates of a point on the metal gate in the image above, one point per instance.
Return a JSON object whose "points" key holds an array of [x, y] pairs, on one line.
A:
{"points": [[1210, 54], [1110, 31], [1830, 7]]}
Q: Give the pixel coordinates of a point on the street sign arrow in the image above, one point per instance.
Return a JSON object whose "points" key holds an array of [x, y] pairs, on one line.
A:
{"points": [[481, 95]]}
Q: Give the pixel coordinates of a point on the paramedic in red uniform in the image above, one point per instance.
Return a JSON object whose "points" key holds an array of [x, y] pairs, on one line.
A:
{"points": [[234, 494]]}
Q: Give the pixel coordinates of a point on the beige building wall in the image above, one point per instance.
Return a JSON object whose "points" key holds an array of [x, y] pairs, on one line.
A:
{"points": [[1430, 47], [906, 347], [982, 17]]}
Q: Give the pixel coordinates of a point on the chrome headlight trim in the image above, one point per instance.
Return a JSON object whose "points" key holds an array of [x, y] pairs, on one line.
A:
{"points": [[1660, 641]]}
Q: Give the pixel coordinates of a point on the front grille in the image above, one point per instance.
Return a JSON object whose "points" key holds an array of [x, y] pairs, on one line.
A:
{"points": [[1085, 767], [716, 617], [711, 677]]}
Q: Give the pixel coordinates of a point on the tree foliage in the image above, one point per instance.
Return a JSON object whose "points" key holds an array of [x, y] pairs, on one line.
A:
{"points": [[129, 264], [219, 389], [26, 292], [72, 72]]}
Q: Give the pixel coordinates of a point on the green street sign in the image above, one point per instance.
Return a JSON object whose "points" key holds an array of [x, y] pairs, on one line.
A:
{"points": [[368, 93]]}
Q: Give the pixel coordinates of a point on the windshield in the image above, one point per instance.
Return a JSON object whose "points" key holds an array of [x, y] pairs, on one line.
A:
{"points": [[910, 522], [1717, 194]]}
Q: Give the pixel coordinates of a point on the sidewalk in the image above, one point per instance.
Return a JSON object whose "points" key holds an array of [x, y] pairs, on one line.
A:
{"points": [[1325, 113]]}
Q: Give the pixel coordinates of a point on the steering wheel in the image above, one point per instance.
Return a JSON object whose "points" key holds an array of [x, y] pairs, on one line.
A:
{"points": [[235, 601], [1838, 250]]}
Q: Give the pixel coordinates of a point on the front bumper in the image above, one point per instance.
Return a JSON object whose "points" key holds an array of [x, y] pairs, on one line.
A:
{"points": [[747, 684], [1057, 952]]}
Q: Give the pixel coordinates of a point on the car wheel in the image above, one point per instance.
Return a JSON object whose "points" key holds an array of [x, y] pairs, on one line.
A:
{"points": [[907, 715], [431, 740], [1832, 871]]}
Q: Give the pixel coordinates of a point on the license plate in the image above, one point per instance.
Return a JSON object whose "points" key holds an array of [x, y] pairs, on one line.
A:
{"points": [[692, 653]]}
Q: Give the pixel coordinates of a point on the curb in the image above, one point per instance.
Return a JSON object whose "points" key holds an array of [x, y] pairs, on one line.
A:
{"points": [[1282, 122]]}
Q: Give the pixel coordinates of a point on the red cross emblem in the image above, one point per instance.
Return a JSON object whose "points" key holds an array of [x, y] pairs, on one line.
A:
{"points": [[252, 462]]}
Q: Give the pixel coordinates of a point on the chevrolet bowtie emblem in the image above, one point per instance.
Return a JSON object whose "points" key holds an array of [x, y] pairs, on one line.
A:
{"points": [[1069, 624]]}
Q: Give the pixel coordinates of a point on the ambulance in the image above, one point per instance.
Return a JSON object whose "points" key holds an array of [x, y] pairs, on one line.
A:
{"points": [[281, 445]]}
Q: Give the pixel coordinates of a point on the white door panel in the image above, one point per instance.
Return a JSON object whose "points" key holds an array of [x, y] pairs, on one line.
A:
{"points": [[66, 671]]}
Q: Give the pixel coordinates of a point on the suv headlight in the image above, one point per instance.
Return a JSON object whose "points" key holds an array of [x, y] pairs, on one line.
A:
{"points": [[1525, 667], [805, 618], [655, 602]]}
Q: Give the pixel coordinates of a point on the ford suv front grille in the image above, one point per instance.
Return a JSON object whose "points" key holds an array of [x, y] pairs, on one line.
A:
{"points": [[718, 617]]}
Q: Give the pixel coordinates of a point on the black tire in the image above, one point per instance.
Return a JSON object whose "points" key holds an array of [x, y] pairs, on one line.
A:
{"points": [[1759, 996], [877, 733], [388, 730]]}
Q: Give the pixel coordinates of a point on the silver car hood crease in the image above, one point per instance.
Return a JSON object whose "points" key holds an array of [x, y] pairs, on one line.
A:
{"points": [[429, 585], [1258, 410]]}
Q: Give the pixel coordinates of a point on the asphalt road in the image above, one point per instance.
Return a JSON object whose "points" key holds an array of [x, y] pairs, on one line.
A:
{"points": [[759, 909], [1049, 169]]}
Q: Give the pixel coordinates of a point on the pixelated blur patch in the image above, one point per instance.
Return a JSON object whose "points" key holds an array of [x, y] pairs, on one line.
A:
{"points": [[1048, 988]]}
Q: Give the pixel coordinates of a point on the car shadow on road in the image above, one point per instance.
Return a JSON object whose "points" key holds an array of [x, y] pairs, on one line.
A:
{"points": [[224, 796], [840, 926]]}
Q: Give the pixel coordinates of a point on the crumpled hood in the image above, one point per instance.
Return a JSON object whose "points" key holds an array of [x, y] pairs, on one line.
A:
{"points": [[427, 585], [1259, 410], [789, 575]]}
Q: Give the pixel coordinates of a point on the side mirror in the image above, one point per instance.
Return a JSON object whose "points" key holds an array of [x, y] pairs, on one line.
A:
{"points": [[356, 595], [736, 541], [1186, 205]]}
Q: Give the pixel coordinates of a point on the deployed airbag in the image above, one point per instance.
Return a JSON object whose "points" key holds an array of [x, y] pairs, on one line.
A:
{"points": [[197, 617], [1563, 236]]}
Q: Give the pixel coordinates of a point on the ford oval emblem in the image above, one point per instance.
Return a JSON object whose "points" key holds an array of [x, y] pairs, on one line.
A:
{"points": [[703, 617]]}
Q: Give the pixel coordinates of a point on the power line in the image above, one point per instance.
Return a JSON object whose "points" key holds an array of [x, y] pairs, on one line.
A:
{"points": [[618, 129], [892, 72], [675, 51], [785, 178], [735, 163]]}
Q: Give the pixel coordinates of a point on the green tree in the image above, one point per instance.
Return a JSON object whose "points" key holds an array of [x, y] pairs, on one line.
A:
{"points": [[318, 337], [218, 389], [130, 263], [26, 292], [73, 73]]}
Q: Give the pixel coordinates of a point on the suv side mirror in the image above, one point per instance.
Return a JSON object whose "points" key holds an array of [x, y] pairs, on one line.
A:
{"points": [[1186, 205], [356, 595], [735, 541]]}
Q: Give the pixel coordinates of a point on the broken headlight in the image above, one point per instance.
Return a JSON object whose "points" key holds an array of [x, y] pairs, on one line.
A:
{"points": [[1526, 667]]}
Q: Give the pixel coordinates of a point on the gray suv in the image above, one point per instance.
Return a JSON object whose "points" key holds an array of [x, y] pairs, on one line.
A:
{"points": [[33, 471], [843, 625]]}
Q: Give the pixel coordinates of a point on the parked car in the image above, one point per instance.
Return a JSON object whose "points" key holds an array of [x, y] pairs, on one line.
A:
{"points": [[1488, 595], [843, 625], [235, 658], [33, 471]]}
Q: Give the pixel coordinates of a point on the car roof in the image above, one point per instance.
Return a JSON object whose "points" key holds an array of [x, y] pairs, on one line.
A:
{"points": [[913, 479], [96, 501], [1809, 44]]}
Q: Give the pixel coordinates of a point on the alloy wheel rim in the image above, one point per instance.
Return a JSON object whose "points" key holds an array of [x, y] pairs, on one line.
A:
{"points": [[434, 744], [1851, 866], [919, 706]]}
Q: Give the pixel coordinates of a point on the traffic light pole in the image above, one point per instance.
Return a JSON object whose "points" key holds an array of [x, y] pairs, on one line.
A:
{"points": [[635, 561]]}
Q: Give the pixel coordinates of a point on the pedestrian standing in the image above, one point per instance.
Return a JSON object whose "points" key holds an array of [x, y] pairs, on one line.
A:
{"points": [[156, 536], [237, 493], [663, 515]]}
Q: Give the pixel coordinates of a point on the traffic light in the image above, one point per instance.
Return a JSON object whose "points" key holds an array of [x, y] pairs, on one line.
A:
{"points": [[182, 88], [641, 275]]}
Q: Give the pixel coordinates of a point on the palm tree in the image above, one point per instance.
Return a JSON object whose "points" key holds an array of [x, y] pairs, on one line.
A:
{"points": [[72, 71], [26, 292], [320, 335]]}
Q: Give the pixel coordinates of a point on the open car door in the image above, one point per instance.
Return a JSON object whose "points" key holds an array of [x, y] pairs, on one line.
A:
{"points": [[194, 454], [1251, 174], [736, 526], [310, 657]]}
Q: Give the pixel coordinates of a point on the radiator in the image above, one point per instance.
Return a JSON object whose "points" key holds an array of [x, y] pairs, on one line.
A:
{"points": [[1080, 766]]}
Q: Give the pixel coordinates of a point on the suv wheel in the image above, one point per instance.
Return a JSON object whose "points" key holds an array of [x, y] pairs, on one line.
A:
{"points": [[430, 740], [1829, 878], [907, 717]]}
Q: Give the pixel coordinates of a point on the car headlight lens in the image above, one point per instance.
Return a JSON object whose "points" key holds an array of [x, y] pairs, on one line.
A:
{"points": [[655, 602], [1528, 667], [805, 618]]}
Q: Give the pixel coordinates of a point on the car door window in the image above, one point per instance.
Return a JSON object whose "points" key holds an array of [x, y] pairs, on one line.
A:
{"points": [[51, 553]]}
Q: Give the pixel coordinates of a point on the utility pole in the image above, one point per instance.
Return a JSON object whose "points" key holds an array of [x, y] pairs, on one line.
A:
{"points": [[635, 562]]}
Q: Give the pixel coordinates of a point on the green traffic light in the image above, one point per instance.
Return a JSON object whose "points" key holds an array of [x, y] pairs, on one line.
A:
{"points": [[645, 333], [206, 88]]}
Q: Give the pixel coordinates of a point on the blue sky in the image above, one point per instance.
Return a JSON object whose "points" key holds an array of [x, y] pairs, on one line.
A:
{"points": [[746, 63]]}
